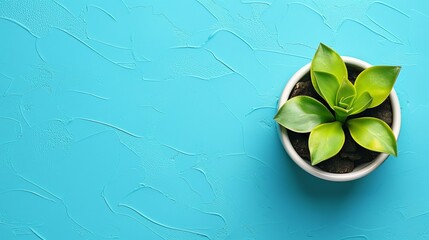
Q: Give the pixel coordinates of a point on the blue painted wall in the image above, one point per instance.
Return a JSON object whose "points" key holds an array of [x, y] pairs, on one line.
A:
{"points": [[153, 120]]}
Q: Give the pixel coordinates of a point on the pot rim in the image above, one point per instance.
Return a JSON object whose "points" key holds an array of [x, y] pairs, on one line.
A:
{"points": [[359, 171]]}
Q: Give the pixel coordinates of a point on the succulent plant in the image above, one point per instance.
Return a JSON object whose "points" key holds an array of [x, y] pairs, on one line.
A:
{"points": [[329, 78]]}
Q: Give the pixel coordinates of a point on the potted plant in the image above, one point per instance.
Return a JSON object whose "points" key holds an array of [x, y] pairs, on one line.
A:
{"points": [[339, 117]]}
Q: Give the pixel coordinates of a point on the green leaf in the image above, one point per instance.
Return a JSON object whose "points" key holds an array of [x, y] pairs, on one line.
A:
{"points": [[373, 134], [341, 114], [378, 81], [302, 113], [328, 85], [327, 60], [347, 101], [325, 141], [361, 103], [345, 91]]}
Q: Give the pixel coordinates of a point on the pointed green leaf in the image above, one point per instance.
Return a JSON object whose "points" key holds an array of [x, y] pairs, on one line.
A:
{"points": [[378, 81], [327, 60], [373, 134], [325, 141], [361, 103], [328, 85], [302, 113], [345, 91]]}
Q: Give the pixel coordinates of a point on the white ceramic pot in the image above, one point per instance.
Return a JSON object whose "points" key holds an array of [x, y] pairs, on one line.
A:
{"points": [[359, 171]]}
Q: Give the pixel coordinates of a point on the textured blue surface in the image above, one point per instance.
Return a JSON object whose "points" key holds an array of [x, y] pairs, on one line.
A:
{"points": [[153, 120]]}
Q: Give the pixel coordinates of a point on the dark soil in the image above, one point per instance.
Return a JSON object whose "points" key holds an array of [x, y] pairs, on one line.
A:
{"points": [[351, 155]]}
